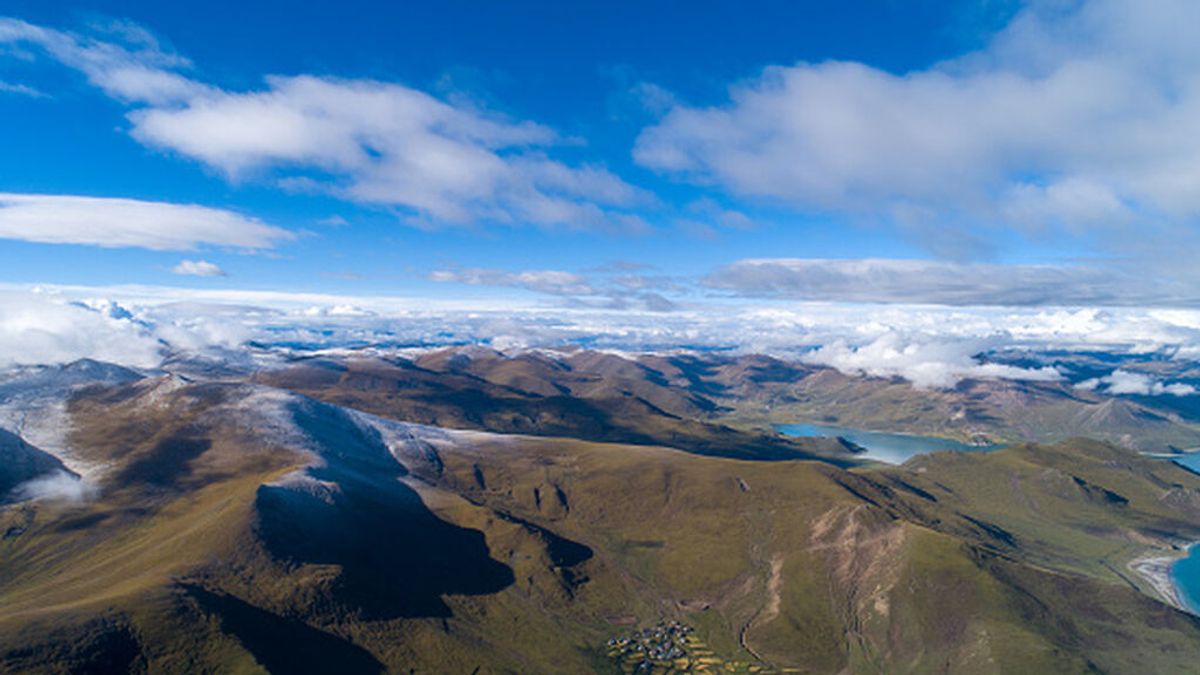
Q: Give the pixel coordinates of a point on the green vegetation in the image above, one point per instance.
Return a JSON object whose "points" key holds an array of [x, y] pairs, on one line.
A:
{"points": [[722, 405], [212, 548]]}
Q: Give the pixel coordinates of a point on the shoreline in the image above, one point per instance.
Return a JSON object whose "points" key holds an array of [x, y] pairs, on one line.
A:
{"points": [[1155, 567]]}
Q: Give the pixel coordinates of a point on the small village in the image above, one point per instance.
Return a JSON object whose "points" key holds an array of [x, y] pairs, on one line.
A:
{"points": [[672, 647]]}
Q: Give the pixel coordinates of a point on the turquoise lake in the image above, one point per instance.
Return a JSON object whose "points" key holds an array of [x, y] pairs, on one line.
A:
{"points": [[880, 445], [1185, 573]]}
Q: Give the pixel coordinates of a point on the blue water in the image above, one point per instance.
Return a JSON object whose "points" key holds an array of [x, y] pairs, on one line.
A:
{"points": [[1185, 575], [882, 446], [1190, 460]]}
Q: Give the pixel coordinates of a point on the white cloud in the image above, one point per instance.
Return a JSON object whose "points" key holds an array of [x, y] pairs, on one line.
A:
{"points": [[111, 222], [55, 486], [198, 268], [927, 362], [1138, 384], [139, 70], [933, 346], [383, 143], [719, 215], [553, 282], [343, 310], [934, 282], [1077, 117], [20, 89], [597, 291], [36, 329], [362, 140]]}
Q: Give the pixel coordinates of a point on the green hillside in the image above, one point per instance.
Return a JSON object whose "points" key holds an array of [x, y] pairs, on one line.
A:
{"points": [[242, 530]]}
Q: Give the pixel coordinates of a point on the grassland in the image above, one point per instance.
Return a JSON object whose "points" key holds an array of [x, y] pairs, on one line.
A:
{"points": [[227, 538]]}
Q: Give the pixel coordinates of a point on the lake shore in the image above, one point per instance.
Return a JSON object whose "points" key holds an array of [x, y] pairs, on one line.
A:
{"points": [[1155, 568]]}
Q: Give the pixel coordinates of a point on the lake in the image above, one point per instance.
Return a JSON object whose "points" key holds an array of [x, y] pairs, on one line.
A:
{"points": [[1185, 575], [880, 445]]}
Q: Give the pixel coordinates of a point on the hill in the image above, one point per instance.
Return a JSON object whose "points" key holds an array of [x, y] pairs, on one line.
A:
{"points": [[241, 528], [752, 392]]}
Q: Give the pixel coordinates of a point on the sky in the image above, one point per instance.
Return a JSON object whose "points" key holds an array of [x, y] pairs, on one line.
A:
{"points": [[632, 159]]}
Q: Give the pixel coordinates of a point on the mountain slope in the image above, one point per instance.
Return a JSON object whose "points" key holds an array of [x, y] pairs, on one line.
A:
{"points": [[20, 462], [656, 398], [406, 391], [244, 528]]}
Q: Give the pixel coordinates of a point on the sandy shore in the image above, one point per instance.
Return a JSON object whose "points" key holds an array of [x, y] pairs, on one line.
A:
{"points": [[1155, 568]]}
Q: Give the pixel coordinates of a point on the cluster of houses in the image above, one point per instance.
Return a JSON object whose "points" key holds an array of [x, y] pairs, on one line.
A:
{"points": [[672, 647]]}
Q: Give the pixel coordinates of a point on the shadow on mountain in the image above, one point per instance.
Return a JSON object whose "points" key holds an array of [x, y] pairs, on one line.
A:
{"points": [[283, 645], [565, 554], [397, 558], [167, 463], [20, 462], [98, 647]]}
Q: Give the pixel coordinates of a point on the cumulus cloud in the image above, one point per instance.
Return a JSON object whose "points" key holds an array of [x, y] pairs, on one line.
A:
{"points": [[35, 329], [338, 311], [367, 141], [1139, 384], [944, 283], [198, 268], [927, 363], [1077, 117], [110, 222]]}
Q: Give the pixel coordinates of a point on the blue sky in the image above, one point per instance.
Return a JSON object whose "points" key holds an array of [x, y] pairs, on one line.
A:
{"points": [[605, 153]]}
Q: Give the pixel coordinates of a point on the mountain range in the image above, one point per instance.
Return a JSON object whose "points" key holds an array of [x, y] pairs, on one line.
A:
{"points": [[465, 510]]}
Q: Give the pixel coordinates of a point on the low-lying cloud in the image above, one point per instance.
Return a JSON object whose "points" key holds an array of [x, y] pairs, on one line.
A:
{"points": [[40, 329], [1136, 384], [931, 346], [926, 363], [55, 486]]}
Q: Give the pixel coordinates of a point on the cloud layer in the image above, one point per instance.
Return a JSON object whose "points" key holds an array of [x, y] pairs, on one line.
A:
{"points": [[928, 345], [40, 329], [553, 282], [601, 289], [944, 283]]}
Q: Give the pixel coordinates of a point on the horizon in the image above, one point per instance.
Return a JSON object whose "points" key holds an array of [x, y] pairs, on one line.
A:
{"points": [[596, 337], [901, 185]]}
